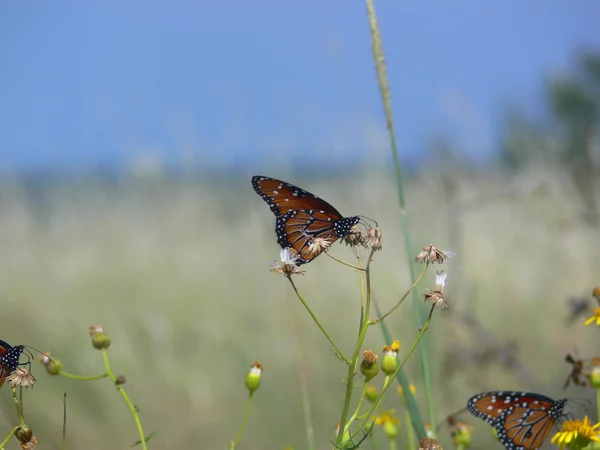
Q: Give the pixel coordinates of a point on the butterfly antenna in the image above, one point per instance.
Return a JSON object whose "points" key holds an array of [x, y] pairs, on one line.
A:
{"points": [[368, 218]]}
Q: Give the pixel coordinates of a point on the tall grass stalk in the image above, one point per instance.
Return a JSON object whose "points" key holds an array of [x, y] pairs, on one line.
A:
{"points": [[379, 59]]}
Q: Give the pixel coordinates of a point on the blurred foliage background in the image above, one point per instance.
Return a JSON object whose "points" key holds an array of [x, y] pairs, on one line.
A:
{"points": [[174, 264]]}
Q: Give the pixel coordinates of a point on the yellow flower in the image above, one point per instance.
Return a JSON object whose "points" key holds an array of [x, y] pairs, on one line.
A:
{"points": [[595, 317], [389, 423], [576, 434]]}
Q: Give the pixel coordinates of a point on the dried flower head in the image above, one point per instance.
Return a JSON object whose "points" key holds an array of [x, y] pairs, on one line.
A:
{"points": [[317, 246], [95, 329], [373, 239], [287, 264], [429, 444], [436, 296], [354, 236], [596, 293], [431, 254], [29, 445], [21, 377]]}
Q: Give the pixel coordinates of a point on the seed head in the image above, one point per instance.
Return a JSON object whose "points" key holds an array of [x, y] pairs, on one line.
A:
{"points": [[287, 264], [429, 444], [373, 239], [317, 246], [354, 236], [431, 254], [21, 377], [436, 296]]}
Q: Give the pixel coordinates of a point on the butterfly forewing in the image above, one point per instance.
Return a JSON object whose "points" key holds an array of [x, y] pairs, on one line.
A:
{"points": [[284, 197]]}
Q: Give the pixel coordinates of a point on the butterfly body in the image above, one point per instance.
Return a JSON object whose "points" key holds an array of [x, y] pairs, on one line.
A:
{"points": [[301, 217], [522, 420], [9, 359]]}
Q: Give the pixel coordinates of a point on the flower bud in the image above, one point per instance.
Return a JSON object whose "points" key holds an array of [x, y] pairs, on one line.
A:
{"points": [[253, 378], [23, 434], [461, 435], [595, 373], [372, 394], [53, 366], [100, 340], [390, 358], [369, 367]]}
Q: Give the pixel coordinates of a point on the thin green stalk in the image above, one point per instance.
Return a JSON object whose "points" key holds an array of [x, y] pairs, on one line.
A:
{"points": [[244, 420], [132, 407], [354, 364], [316, 320], [393, 445], [598, 402], [83, 378], [5, 441], [358, 406], [389, 379], [402, 378], [18, 405], [410, 431], [414, 285], [384, 89]]}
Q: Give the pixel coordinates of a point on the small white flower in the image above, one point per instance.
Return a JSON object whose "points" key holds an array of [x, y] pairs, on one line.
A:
{"points": [[287, 266]]}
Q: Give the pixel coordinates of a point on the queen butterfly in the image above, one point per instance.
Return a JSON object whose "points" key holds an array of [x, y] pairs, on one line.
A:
{"points": [[9, 359], [301, 217], [522, 420]]}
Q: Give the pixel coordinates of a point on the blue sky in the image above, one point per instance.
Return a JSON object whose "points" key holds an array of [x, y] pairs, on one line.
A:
{"points": [[236, 81]]}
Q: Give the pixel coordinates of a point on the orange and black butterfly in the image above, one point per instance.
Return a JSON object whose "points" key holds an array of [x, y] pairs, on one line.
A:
{"points": [[9, 359], [301, 217], [522, 420]]}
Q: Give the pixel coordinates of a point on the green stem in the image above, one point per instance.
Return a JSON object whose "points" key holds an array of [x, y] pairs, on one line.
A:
{"points": [[17, 405], [389, 380], [598, 402], [5, 441], [393, 445], [384, 89], [339, 352], [410, 431], [359, 406], [244, 420], [354, 364], [132, 408], [83, 378]]}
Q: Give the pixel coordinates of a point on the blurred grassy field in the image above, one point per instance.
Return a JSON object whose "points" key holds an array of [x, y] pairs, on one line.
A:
{"points": [[176, 270]]}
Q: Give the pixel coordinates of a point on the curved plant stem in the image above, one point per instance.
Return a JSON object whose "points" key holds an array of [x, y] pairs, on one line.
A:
{"points": [[244, 420], [83, 378], [384, 89], [354, 364], [344, 262], [132, 407], [389, 380], [316, 320], [5, 441], [360, 402], [374, 321]]}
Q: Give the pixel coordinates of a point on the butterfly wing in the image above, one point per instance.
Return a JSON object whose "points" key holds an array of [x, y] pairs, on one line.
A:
{"points": [[522, 420], [301, 217], [284, 197], [525, 427]]}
